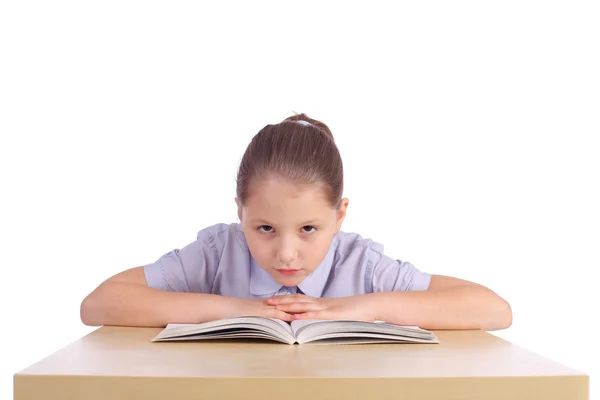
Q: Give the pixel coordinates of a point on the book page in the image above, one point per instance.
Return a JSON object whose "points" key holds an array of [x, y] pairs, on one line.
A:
{"points": [[245, 325], [301, 323], [234, 335], [297, 324], [224, 322], [363, 338], [375, 326], [308, 330], [284, 324]]}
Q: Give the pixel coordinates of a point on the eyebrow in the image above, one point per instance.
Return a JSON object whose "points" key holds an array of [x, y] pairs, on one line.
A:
{"points": [[264, 222]]}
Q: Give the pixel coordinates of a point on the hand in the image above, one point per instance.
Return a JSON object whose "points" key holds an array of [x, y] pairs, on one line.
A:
{"points": [[256, 307], [357, 308]]}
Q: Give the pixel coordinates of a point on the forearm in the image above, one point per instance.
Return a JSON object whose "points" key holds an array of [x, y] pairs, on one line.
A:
{"points": [[460, 307], [129, 304]]}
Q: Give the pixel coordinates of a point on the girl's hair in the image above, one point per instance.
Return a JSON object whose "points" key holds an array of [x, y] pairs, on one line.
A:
{"points": [[300, 149]]}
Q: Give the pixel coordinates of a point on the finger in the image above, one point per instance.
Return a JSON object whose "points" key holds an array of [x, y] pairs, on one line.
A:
{"points": [[278, 314], [319, 314], [299, 307], [290, 298]]}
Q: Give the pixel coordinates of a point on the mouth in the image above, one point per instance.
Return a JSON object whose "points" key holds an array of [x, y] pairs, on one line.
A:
{"points": [[288, 272]]}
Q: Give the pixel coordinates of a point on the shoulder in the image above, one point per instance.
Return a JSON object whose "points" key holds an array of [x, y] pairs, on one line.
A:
{"points": [[353, 251], [222, 235], [354, 262], [216, 231], [351, 243], [382, 273], [194, 267]]}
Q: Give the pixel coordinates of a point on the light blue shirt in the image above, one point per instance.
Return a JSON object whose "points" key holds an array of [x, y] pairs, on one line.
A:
{"points": [[219, 262]]}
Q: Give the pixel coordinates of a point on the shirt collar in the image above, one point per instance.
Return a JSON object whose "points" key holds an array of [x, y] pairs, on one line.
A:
{"points": [[261, 283]]}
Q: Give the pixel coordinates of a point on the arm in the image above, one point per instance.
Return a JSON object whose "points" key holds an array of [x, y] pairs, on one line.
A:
{"points": [[449, 303], [127, 300]]}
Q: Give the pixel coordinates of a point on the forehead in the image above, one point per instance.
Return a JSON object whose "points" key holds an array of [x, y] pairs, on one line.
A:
{"points": [[280, 198]]}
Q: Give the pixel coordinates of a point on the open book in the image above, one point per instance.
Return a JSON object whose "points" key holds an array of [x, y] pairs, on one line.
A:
{"points": [[300, 331]]}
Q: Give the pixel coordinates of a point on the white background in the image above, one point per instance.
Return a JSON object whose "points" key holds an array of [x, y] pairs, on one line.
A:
{"points": [[469, 133]]}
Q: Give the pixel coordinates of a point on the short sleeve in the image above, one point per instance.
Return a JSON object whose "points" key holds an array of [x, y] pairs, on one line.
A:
{"points": [[189, 269], [391, 275]]}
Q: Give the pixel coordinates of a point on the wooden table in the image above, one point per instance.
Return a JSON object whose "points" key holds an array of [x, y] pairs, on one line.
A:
{"points": [[122, 363]]}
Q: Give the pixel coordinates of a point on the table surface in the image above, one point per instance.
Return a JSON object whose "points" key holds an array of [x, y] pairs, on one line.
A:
{"points": [[464, 360]]}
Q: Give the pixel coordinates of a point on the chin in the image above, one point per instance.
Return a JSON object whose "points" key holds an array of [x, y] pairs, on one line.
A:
{"points": [[295, 281]]}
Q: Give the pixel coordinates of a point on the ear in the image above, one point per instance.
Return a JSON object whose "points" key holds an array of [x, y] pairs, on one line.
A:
{"points": [[239, 207], [341, 213]]}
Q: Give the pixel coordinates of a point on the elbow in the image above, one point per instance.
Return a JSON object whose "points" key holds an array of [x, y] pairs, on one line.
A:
{"points": [[507, 317], [89, 311], [502, 317]]}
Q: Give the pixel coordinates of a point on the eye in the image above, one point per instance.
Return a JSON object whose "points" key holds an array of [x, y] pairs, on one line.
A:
{"points": [[309, 229], [265, 229]]}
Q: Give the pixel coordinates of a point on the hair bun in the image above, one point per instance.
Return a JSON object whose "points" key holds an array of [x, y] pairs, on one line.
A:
{"points": [[306, 120]]}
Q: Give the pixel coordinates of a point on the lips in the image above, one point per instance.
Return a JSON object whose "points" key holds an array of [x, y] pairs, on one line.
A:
{"points": [[288, 271]]}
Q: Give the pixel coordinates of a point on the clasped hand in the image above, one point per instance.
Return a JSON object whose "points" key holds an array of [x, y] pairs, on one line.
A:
{"points": [[300, 306]]}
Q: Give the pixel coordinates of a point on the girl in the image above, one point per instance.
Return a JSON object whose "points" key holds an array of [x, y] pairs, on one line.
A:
{"points": [[288, 259]]}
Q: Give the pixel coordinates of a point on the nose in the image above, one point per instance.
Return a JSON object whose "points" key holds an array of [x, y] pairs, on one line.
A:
{"points": [[287, 251]]}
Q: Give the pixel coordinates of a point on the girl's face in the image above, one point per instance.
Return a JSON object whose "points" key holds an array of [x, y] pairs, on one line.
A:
{"points": [[289, 227]]}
